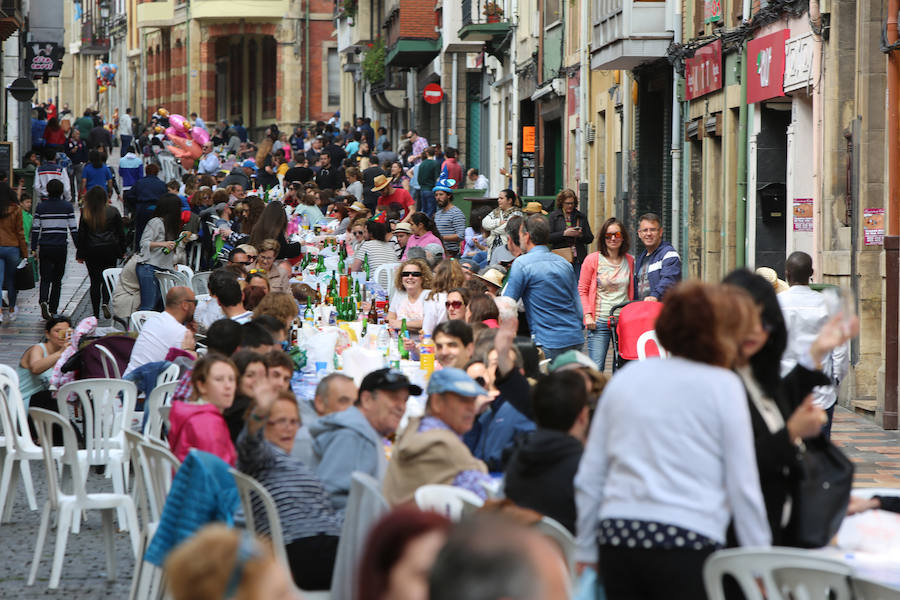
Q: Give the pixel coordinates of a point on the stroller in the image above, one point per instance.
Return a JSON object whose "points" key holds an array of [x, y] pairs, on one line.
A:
{"points": [[632, 332]]}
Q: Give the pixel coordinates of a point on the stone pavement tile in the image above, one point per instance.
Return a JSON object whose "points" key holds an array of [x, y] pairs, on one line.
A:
{"points": [[875, 453]]}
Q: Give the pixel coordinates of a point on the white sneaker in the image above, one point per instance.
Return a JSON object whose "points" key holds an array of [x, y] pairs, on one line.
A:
{"points": [[13, 314]]}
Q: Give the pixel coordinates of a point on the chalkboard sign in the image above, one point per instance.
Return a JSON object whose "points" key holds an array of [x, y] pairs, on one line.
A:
{"points": [[6, 163]]}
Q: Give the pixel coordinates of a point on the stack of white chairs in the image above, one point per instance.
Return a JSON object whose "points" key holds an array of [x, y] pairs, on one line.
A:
{"points": [[160, 397], [139, 317], [384, 275]]}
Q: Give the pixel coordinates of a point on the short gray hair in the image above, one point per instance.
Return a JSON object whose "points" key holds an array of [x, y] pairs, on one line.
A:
{"points": [[324, 386], [538, 227]]}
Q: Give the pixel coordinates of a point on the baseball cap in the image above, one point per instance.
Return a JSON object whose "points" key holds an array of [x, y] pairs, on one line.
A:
{"points": [[250, 163], [572, 359], [388, 379], [454, 381]]}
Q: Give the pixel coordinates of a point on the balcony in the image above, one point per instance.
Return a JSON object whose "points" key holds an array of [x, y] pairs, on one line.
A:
{"points": [[240, 9], [412, 41], [158, 13], [628, 33], [94, 40], [480, 27], [353, 32], [11, 19]]}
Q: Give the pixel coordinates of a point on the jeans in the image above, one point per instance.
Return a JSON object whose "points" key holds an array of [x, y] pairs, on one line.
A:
{"points": [[598, 344], [829, 412], [429, 204], [151, 297], [52, 264], [126, 142], [552, 353], [9, 260]]}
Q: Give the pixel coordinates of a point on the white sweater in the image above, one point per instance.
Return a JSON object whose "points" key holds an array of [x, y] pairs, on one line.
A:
{"points": [[671, 442]]}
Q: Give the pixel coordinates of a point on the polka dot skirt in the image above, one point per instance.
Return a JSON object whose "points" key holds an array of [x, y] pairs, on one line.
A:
{"points": [[626, 533]]}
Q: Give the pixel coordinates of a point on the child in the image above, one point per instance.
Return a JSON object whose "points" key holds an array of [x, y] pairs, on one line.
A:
{"points": [[27, 217], [52, 218]]}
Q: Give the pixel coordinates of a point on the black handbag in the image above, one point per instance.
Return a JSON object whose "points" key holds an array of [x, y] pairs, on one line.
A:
{"points": [[821, 494], [26, 274]]}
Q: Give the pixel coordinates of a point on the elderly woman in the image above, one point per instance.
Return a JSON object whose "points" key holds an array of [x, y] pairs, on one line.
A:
{"points": [[662, 477], [570, 232], [279, 273], [494, 225], [310, 525], [412, 282]]}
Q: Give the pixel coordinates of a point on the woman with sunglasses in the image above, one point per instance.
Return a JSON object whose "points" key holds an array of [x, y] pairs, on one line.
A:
{"points": [[448, 275], [357, 235], [413, 279], [456, 304], [605, 281]]}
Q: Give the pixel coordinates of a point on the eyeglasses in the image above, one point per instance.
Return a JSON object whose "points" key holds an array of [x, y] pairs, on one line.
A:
{"points": [[251, 257], [358, 233], [454, 304], [255, 271], [614, 236], [283, 422], [412, 273], [648, 230]]}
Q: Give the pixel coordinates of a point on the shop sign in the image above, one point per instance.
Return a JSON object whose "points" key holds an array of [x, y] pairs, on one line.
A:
{"points": [[703, 71], [873, 226], [765, 66], [528, 135], [798, 62], [803, 214], [712, 11], [43, 58]]}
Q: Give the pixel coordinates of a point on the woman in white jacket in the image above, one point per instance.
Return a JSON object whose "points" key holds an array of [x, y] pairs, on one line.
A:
{"points": [[494, 225], [670, 460]]}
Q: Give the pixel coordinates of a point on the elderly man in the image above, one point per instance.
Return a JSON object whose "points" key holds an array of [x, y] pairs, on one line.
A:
{"points": [[209, 162], [477, 180], [166, 330], [353, 439], [335, 393], [430, 449]]}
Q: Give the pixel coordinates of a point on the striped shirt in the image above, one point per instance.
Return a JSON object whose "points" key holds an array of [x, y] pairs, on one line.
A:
{"points": [[379, 253], [451, 221], [52, 219], [303, 506]]}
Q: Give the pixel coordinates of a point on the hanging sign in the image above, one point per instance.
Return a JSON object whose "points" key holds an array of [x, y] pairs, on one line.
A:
{"points": [[43, 58], [798, 62], [703, 71], [712, 11], [765, 66]]}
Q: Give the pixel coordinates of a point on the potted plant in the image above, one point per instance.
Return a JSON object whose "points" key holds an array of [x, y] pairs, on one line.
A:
{"points": [[493, 11]]}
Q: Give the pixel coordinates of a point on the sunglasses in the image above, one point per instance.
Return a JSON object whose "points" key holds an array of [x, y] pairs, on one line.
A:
{"points": [[260, 271], [454, 304], [243, 264], [252, 257], [358, 233], [412, 273], [614, 236]]}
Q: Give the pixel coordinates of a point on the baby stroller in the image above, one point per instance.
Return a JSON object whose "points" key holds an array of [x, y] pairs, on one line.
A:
{"points": [[632, 332]]}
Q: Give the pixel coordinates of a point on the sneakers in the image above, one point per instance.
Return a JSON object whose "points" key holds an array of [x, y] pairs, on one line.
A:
{"points": [[13, 314], [45, 311]]}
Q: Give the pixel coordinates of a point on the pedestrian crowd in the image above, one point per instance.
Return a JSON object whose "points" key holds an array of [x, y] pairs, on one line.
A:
{"points": [[649, 468]]}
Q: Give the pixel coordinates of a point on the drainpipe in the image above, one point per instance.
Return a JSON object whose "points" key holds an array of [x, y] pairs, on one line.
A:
{"points": [[514, 102], [676, 136], [453, 92], [740, 220], [306, 66], [892, 239], [584, 99]]}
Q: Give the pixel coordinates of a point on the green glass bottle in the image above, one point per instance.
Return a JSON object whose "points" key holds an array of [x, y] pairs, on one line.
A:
{"points": [[366, 267], [309, 317], [365, 328], [341, 267], [320, 265], [404, 334]]}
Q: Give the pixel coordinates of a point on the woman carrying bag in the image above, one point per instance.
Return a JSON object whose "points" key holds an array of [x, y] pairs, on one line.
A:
{"points": [[101, 242], [570, 232], [12, 246]]}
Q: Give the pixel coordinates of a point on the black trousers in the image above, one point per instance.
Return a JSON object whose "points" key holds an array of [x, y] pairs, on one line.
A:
{"points": [[675, 574], [312, 561], [52, 261], [95, 266]]}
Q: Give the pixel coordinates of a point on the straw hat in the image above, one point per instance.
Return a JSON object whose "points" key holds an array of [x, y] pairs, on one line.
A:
{"points": [[403, 228], [380, 183], [493, 276], [533, 208], [358, 206], [771, 276]]}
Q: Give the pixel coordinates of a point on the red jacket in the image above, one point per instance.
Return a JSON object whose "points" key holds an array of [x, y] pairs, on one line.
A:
{"points": [[587, 283], [200, 426]]}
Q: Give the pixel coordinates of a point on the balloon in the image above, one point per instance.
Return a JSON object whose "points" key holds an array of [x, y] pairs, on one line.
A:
{"points": [[199, 135], [170, 133], [162, 112], [187, 163], [180, 124], [101, 89], [184, 147], [114, 68]]}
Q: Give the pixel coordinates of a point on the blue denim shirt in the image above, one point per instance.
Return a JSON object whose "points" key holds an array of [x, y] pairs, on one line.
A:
{"points": [[547, 286]]}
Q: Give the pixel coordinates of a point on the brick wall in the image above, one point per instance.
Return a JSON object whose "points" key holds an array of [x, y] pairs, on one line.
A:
{"points": [[418, 19]]}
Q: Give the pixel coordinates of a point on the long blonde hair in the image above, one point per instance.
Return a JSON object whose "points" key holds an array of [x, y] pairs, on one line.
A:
{"points": [[265, 148]]}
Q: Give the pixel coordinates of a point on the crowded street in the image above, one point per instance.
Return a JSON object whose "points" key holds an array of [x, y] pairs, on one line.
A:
{"points": [[418, 300]]}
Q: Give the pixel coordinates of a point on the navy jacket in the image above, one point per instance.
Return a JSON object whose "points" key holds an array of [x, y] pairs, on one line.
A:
{"points": [[663, 270], [149, 190]]}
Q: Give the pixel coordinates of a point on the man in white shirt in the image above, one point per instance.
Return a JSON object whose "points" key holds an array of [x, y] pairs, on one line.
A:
{"points": [[478, 181], [166, 330], [126, 134], [209, 162], [805, 313]]}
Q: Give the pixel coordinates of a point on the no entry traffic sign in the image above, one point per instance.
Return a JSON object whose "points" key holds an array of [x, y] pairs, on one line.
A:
{"points": [[433, 93]]}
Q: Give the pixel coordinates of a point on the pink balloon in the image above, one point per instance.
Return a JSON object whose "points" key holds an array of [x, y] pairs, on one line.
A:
{"points": [[185, 147], [187, 163], [170, 133], [181, 125], [199, 135]]}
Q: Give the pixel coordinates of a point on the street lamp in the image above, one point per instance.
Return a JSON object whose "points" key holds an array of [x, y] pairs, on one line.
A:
{"points": [[104, 9]]}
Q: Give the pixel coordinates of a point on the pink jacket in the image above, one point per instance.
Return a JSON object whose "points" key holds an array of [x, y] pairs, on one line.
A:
{"points": [[587, 283], [417, 241], [200, 426]]}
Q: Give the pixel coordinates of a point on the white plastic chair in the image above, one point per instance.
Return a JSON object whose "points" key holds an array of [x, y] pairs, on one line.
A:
{"points": [[70, 506], [186, 271], [139, 317], [562, 536], [247, 488], [384, 275], [365, 505], [108, 362], [451, 501], [781, 571], [194, 251], [200, 283], [107, 406], [167, 281], [864, 589], [161, 396], [646, 338], [20, 449], [168, 375], [111, 278]]}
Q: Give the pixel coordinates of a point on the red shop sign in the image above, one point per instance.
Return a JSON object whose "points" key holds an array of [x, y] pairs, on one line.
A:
{"points": [[703, 71], [765, 66]]}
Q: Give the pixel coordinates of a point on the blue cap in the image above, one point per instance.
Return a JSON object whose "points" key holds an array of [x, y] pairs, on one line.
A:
{"points": [[454, 381], [250, 163]]}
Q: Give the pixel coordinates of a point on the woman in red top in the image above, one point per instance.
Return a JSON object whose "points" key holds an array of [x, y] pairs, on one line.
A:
{"points": [[54, 135]]}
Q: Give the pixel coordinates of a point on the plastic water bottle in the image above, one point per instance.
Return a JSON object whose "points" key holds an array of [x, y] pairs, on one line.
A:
{"points": [[426, 356], [383, 341], [394, 354]]}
